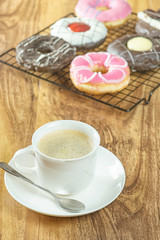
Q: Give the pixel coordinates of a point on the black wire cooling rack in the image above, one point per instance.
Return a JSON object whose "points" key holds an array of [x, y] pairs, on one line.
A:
{"points": [[140, 88]]}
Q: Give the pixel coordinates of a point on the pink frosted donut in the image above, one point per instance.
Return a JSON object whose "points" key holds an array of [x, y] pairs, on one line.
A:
{"points": [[99, 72], [111, 12]]}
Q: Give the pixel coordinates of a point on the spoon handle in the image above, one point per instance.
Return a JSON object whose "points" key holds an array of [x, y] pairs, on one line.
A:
{"points": [[12, 171], [67, 204]]}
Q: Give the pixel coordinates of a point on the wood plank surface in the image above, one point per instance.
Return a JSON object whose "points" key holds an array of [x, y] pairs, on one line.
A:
{"points": [[26, 103]]}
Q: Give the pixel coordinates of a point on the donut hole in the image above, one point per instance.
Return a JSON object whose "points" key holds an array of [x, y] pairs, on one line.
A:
{"points": [[45, 50], [98, 68], [103, 8]]}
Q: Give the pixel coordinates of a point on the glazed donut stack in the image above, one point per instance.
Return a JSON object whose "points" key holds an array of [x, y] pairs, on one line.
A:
{"points": [[95, 72]]}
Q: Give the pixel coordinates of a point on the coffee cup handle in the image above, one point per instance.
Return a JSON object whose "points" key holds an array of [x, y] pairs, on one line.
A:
{"points": [[24, 160]]}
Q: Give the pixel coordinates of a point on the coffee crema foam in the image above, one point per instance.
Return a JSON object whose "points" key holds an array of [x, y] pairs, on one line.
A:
{"points": [[65, 144]]}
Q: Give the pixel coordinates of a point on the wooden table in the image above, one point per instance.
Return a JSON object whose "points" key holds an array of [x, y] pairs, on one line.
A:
{"points": [[26, 103]]}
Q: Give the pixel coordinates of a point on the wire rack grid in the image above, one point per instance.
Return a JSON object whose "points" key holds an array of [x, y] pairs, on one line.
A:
{"points": [[140, 88]]}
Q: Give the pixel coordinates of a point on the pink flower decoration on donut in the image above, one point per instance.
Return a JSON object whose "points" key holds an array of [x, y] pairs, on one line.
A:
{"points": [[99, 68]]}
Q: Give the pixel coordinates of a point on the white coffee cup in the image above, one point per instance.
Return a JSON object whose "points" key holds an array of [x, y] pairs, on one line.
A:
{"points": [[62, 176]]}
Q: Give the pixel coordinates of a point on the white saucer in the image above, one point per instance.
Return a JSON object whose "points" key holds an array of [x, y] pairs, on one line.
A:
{"points": [[107, 184]]}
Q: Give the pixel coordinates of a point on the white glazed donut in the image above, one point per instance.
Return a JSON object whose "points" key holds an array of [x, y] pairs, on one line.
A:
{"points": [[82, 33]]}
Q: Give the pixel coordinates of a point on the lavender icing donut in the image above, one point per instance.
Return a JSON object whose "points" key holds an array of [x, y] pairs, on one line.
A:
{"points": [[82, 33], [44, 53]]}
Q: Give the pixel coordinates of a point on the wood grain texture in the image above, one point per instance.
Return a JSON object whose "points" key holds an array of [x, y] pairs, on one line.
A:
{"points": [[26, 103]]}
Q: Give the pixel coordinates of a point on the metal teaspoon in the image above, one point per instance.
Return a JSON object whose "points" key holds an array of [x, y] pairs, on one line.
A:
{"points": [[67, 204]]}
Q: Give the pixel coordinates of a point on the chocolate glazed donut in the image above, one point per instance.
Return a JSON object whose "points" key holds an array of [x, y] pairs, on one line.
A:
{"points": [[146, 25], [44, 53], [146, 30], [137, 60]]}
